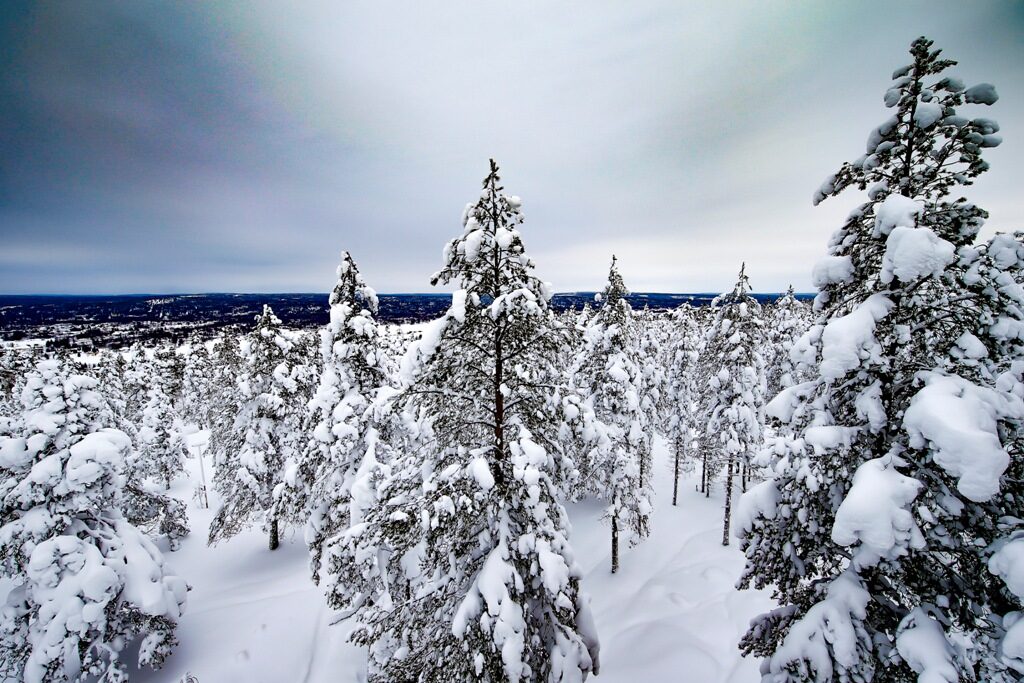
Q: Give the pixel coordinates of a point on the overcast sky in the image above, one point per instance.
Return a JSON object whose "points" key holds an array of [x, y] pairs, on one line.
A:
{"points": [[239, 146]]}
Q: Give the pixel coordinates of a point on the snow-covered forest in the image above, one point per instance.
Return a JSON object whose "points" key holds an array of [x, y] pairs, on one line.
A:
{"points": [[797, 491]]}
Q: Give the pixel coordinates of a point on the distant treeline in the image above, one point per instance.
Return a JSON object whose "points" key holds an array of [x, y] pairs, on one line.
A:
{"points": [[24, 313]]}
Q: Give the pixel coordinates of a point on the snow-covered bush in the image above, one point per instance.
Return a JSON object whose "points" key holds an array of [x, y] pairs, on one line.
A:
{"points": [[87, 582]]}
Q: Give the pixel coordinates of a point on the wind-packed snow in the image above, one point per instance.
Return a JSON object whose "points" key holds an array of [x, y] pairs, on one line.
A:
{"points": [[923, 645], [671, 613], [927, 114], [849, 339], [831, 270], [912, 253], [1008, 564], [894, 211], [826, 637], [983, 93], [959, 418], [761, 500], [875, 514]]}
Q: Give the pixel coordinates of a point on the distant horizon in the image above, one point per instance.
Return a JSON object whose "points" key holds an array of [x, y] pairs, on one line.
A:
{"points": [[324, 293], [172, 147]]}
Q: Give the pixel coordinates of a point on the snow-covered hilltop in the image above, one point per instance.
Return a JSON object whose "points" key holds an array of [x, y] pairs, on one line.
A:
{"points": [[513, 492]]}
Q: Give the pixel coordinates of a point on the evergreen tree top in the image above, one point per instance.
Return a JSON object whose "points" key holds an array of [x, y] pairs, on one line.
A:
{"points": [[788, 300], [267, 319], [616, 288], [350, 289], [740, 293], [612, 327], [926, 148], [488, 260], [914, 161]]}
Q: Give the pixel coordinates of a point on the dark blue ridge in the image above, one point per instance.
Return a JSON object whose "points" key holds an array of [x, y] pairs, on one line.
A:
{"points": [[76, 321], [297, 310]]}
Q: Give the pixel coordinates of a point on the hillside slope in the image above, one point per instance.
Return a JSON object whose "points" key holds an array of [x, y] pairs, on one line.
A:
{"points": [[671, 614]]}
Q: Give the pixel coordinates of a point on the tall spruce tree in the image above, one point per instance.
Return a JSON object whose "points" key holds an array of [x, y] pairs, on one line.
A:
{"points": [[325, 483], [264, 435], [619, 469], [734, 401], [786, 321], [224, 398], [889, 524], [678, 408], [198, 385], [150, 511], [161, 448], [481, 580]]}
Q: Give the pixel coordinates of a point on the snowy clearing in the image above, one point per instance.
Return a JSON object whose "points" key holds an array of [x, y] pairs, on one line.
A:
{"points": [[672, 612]]}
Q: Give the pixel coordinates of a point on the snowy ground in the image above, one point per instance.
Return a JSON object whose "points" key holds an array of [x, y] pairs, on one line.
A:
{"points": [[671, 614]]}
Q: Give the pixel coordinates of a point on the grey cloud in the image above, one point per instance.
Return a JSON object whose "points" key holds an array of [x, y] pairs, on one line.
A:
{"points": [[239, 146]]}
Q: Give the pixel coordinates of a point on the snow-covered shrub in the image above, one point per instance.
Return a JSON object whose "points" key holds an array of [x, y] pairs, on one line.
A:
{"points": [[87, 582]]}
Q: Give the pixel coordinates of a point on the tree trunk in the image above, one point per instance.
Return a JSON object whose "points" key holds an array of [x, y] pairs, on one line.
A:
{"points": [[743, 477], [641, 458], [728, 502], [703, 472], [274, 539], [615, 544], [499, 363], [706, 480], [675, 477]]}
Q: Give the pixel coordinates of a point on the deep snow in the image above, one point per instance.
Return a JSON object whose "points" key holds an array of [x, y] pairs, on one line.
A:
{"points": [[671, 613]]}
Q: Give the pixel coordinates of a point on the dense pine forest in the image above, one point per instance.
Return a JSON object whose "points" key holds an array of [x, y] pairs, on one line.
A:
{"points": [[862, 452]]}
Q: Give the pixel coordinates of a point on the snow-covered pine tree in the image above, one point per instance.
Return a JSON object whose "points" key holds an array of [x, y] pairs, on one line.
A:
{"points": [[582, 319], [607, 372], [150, 511], [650, 345], [306, 360], [787, 320], [161, 449], [224, 399], [18, 364], [86, 582], [481, 580], [158, 453], [266, 433], [167, 366], [889, 529], [324, 488], [679, 410], [110, 373], [734, 401], [135, 382], [13, 368], [197, 386]]}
